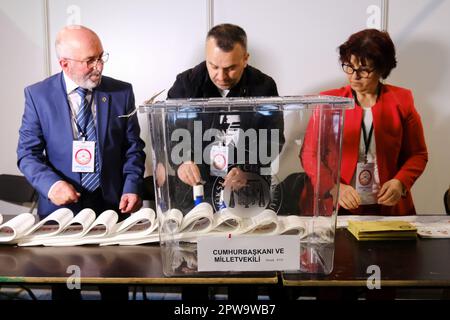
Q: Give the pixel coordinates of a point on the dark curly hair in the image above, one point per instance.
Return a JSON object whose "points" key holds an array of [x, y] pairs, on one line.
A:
{"points": [[370, 45]]}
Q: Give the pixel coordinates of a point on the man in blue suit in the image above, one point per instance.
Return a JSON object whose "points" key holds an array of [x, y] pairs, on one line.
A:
{"points": [[73, 147], [71, 131]]}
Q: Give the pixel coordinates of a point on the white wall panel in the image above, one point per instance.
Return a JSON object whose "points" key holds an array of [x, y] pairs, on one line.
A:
{"points": [[296, 41], [421, 31], [21, 64]]}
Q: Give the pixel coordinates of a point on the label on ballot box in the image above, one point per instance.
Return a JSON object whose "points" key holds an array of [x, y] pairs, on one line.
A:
{"points": [[247, 253]]}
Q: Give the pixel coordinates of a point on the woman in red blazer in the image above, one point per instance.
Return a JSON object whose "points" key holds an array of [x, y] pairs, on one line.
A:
{"points": [[383, 148]]}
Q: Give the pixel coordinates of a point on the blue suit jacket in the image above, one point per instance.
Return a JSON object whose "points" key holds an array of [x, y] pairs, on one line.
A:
{"points": [[45, 140]]}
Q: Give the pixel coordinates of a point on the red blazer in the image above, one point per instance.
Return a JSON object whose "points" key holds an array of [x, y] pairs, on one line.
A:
{"points": [[400, 143]]}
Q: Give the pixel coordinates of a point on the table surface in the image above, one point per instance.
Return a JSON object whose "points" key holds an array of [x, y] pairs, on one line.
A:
{"points": [[402, 263], [413, 263], [111, 264]]}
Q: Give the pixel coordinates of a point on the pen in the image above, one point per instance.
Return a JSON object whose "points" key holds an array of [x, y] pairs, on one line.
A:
{"points": [[198, 194]]}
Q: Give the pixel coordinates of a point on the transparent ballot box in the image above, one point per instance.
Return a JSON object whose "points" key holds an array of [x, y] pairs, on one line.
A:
{"points": [[247, 184]]}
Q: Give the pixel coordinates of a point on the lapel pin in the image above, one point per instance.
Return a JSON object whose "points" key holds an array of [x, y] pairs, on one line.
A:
{"points": [[103, 99]]}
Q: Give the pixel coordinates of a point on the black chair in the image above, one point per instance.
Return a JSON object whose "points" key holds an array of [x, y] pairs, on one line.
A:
{"points": [[291, 188], [446, 292], [17, 190], [149, 189], [447, 201]]}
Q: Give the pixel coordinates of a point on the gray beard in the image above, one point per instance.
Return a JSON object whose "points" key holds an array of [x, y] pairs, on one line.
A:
{"points": [[88, 84]]}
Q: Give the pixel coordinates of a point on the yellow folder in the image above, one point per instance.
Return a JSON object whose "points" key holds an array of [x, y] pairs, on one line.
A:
{"points": [[382, 230]]}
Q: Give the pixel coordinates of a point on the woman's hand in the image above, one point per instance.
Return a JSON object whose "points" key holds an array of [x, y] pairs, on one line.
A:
{"points": [[348, 197], [390, 193]]}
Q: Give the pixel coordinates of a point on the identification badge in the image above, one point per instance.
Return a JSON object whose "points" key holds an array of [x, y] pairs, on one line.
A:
{"points": [[219, 161], [365, 177], [83, 153]]}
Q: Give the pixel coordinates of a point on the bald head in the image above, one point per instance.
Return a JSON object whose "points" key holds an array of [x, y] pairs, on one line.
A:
{"points": [[75, 38], [79, 51]]}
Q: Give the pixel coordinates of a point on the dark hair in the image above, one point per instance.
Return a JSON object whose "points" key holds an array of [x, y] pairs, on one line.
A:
{"points": [[370, 45], [227, 35]]}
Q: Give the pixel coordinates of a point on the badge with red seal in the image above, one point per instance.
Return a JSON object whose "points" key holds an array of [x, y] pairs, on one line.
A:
{"points": [[83, 153], [365, 177], [219, 161]]}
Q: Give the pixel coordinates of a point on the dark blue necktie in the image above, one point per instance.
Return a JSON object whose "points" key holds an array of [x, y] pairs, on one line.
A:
{"points": [[86, 124]]}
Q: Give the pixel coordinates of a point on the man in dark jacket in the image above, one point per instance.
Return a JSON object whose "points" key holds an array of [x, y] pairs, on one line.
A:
{"points": [[226, 73]]}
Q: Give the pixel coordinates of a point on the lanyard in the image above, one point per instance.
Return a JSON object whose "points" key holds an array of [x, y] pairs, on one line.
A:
{"points": [[367, 139]]}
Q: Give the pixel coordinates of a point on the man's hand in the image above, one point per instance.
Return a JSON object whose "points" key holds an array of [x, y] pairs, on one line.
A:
{"points": [[160, 174], [189, 173], [63, 193], [390, 193], [348, 197], [236, 179], [130, 202]]}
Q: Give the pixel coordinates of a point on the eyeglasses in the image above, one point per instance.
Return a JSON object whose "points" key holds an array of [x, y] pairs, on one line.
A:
{"points": [[92, 62], [363, 73]]}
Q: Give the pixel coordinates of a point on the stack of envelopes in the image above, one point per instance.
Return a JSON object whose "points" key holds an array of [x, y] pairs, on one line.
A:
{"points": [[382, 230]]}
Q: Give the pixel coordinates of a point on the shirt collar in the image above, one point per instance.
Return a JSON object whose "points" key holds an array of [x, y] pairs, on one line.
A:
{"points": [[70, 84]]}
